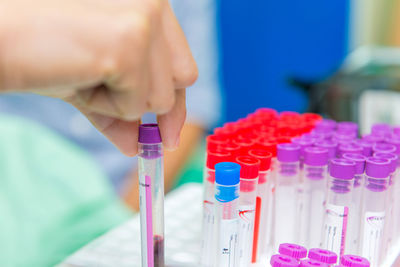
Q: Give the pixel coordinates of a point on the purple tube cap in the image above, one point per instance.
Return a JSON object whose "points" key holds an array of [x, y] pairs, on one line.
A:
{"points": [[390, 156], [288, 152], [342, 168], [384, 148], [312, 263], [358, 159], [394, 140], [377, 167], [349, 148], [381, 129], [322, 255], [283, 261], [373, 138], [347, 125], [366, 145], [330, 145], [325, 125], [293, 250], [149, 134], [354, 261], [316, 156]]}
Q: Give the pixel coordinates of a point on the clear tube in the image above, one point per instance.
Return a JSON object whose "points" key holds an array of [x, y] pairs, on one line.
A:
{"points": [[396, 207], [247, 206], [271, 205], [286, 212], [338, 203], [312, 216], [262, 225], [373, 219], [352, 242], [208, 241], [151, 193], [226, 231]]}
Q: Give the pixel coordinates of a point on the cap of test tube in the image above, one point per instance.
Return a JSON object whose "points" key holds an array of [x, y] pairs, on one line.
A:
{"points": [[381, 129], [288, 152], [373, 138], [366, 145], [267, 144], [316, 156], [390, 156], [396, 130], [312, 263], [377, 167], [250, 166], [283, 261], [347, 126], [349, 148], [358, 159], [342, 169], [149, 133], [217, 156], [330, 145], [264, 156], [326, 124], [214, 140], [227, 174], [384, 148], [322, 255], [303, 143], [394, 140], [354, 261], [230, 147], [293, 250]]}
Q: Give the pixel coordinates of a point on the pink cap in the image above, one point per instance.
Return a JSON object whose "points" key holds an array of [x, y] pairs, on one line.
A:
{"points": [[293, 250], [312, 263], [283, 261], [322, 255], [354, 261]]}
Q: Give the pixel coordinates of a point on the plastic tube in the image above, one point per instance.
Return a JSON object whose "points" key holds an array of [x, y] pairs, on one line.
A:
{"points": [[227, 179], [323, 255], [283, 261], [338, 203], [263, 222], [249, 172], [352, 241], [286, 209], [354, 261], [293, 250], [151, 190], [375, 195], [366, 145], [315, 183], [208, 240]]}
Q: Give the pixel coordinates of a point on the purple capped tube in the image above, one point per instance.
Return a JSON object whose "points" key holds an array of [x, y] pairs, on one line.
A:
{"points": [[349, 148], [293, 250], [330, 145], [283, 261], [354, 261], [323, 255]]}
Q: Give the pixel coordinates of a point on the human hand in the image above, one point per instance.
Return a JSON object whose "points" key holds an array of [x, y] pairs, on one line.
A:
{"points": [[113, 60]]}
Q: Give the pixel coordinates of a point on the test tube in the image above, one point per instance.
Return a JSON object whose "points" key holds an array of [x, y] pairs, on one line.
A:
{"points": [[151, 194], [286, 209], [249, 172], [330, 145], [366, 145], [283, 261], [354, 261], [338, 202], [312, 263], [293, 250], [263, 222], [227, 180], [377, 173], [349, 148], [352, 241], [323, 255], [208, 239], [383, 148], [315, 183]]}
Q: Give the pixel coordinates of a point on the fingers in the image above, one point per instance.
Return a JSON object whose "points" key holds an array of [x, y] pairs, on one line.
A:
{"points": [[172, 122], [184, 67]]}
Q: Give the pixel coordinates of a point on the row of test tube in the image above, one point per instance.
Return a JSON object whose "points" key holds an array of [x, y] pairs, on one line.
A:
{"points": [[287, 193]]}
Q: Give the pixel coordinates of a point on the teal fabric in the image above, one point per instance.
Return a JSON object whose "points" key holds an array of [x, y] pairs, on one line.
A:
{"points": [[53, 198]]}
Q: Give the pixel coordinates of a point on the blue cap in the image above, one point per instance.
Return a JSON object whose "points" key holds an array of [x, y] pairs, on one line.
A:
{"points": [[227, 178]]}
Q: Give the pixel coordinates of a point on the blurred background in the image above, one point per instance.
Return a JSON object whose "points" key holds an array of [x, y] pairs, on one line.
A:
{"points": [[63, 184]]}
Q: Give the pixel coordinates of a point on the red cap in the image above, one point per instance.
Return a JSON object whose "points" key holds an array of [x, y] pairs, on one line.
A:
{"points": [[230, 147], [289, 116], [214, 157], [250, 167], [268, 144], [266, 112], [264, 128], [215, 140], [311, 117], [245, 144], [283, 139], [248, 135], [264, 156], [224, 132]]}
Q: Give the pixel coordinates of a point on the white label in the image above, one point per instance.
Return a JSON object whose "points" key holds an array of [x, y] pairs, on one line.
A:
{"points": [[372, 236], [335, 228], [246, 233], [208, 234], [227, 242]]}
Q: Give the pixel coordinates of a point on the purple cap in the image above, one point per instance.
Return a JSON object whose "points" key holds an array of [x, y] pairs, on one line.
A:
{"points": [[344, 136], [330, 145], [382, 129], [342, 169], [303, 143], [384, 148], [288, 152], [149, 134], [377, 167], [394, 140], [325, 125], [358, 159], [316, 156], [312, 263], [366, 145], [316, 136], [293, 250], [396, 130], [349, 148], [354, 261], [322, 255], [283, 261], [390, 156], [373, 138], [345, 126]]}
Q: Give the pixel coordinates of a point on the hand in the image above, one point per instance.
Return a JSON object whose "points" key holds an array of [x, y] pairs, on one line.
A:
{"points": [[113, 60]]}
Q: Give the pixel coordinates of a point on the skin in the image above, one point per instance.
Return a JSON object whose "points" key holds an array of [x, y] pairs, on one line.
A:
{"points": [[113, 60]]}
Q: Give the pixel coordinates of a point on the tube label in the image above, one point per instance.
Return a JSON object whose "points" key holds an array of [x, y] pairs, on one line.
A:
{"points": [[335, 228], [374, 223], [246, 232], [228, 242]]}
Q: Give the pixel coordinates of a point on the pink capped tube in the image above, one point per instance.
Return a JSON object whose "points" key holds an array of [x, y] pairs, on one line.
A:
{"points": [[293, 250], [283, 261], [354, 261], [322, 255]]}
